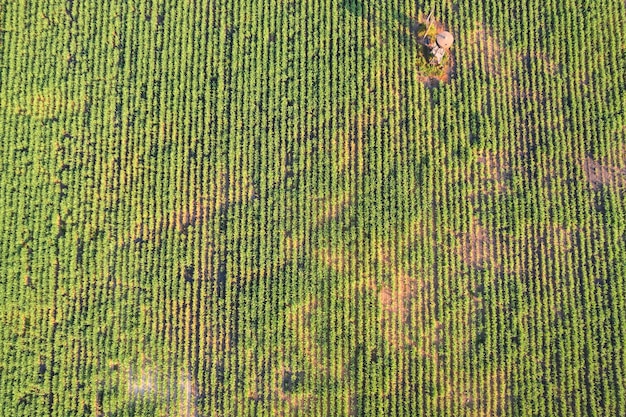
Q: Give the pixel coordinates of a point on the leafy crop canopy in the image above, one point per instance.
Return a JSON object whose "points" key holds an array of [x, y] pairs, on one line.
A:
{"points": [[258, 208]]}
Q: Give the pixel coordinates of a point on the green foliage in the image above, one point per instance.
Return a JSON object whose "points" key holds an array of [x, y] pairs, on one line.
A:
{"points": [[258, 208]]}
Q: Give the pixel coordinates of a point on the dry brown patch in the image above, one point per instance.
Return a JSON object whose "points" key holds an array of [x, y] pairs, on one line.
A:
{"points": [[195, 213], [475, 246], [294, 404], [227, 190], [407, 298], [405, 314], [330, 208], [300, 316], [482, 394], [287, 402], [488, 55], [49, 103], [559, 241], [394, 317], [478, 247], [397, 299], [299, 319], [548, 65], [346, 146], [333, 259], [600, 175], [491, 173]]}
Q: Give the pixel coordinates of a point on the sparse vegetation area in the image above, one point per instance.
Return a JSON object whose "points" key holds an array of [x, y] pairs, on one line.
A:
{"points": [[281, 208]]}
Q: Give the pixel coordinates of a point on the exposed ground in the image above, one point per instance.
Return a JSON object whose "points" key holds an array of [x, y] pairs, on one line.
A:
{"points": [[600, 175]]}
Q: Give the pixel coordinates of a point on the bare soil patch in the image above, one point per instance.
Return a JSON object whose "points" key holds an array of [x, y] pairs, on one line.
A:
{"points": [[488, 55], [346, 146], [476, 246], [334, 259], [485, 394], [330, 208], [559, 241], [600, 175], [228, 189], [491, 174], [547, 64], [433, 81], [299, 319], [405, 315]]}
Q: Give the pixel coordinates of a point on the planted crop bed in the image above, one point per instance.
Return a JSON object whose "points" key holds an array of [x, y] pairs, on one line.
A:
{"points": [[263, 208]]}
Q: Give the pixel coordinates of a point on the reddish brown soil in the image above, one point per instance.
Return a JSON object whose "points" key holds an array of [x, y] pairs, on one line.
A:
{"points": [[600, 175]]}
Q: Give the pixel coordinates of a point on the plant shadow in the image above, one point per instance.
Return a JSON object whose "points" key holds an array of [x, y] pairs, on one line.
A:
{"points": [[394, 23], [356, 8]]}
